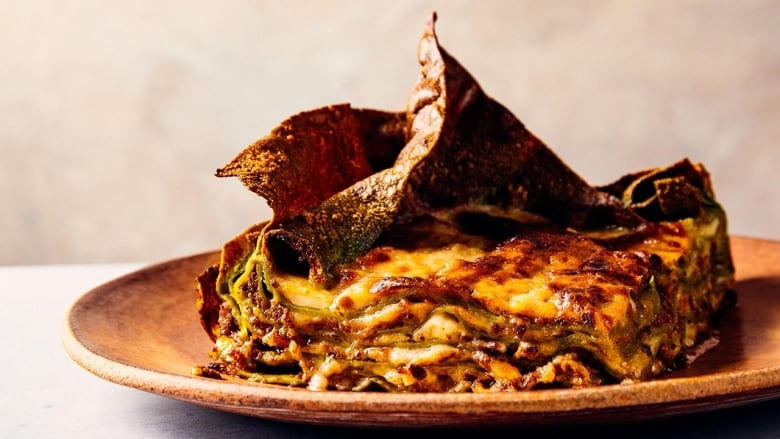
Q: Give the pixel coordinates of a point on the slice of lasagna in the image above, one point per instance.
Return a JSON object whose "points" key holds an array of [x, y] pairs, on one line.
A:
{"points": [[447, 249]]}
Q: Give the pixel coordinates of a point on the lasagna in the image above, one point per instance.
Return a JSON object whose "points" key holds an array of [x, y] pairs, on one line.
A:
{"points": [[445, 248]]}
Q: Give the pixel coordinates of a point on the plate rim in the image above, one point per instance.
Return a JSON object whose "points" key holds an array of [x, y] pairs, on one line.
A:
{"points": [[699, 392]]}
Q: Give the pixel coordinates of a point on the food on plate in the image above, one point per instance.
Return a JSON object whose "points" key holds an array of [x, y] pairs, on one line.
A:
{"points": [[445, 248]]}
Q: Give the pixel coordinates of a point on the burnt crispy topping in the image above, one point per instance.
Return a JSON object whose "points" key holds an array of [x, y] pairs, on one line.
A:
{"points": [[315, 154], [337, 178]]}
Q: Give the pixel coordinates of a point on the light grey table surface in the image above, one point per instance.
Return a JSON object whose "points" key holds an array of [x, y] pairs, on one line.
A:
{"points": [[45, 394]]}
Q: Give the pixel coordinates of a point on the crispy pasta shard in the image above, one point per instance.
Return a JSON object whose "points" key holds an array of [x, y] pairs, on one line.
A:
{"points": [[447, 248]]}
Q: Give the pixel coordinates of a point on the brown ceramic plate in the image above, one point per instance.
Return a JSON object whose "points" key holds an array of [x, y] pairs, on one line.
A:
{"points": [[142, 330]]}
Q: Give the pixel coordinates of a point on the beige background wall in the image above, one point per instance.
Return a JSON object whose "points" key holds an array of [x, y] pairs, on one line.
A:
{"points": [[115, 114]]}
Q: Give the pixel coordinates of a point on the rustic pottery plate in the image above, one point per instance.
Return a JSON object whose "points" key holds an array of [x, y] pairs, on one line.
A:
{"points": [[142, 330]]}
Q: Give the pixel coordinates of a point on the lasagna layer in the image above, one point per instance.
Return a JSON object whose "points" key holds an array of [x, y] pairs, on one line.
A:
{"points": [[476, 299], [446, 248]]}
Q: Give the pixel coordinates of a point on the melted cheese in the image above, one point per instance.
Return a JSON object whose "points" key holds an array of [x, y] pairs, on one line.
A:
{"points": [[422, 263], [508, 288]]}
